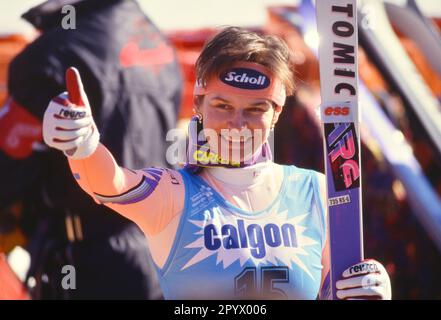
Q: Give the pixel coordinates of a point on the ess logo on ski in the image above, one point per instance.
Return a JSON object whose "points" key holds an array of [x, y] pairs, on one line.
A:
{"points": [[337, 111]]}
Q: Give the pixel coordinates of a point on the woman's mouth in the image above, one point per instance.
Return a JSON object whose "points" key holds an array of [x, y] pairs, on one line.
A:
{"points": [[236, 140]]}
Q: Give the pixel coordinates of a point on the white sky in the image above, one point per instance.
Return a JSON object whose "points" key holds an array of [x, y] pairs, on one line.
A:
{"points": [[184, 14]]}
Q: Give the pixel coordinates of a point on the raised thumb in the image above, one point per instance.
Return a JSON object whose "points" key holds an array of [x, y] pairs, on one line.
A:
{"points": [[74, 87]]}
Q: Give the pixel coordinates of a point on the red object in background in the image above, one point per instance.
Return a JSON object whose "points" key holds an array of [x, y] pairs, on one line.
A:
{"points": [[132, 55], [188, 45], [11, 287], [19, 130]]}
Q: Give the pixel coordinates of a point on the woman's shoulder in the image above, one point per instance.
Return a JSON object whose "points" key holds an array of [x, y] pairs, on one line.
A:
{"points": [[294, 170], [163, 176], [315, 178]]}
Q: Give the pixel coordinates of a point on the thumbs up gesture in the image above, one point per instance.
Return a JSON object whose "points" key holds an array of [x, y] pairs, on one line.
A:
{"points": [[68, 123]]}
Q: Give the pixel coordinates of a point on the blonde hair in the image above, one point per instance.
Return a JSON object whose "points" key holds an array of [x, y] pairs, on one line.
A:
{"points": [[235, 44]]}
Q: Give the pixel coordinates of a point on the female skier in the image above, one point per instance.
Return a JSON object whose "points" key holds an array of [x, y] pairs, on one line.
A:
{"points": [[230, 224]]}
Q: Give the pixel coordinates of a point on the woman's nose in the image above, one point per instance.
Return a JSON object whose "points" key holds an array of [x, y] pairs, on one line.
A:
{"points": [[237, 121]]}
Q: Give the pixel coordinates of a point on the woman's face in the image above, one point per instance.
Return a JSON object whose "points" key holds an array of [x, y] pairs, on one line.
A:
{"points": [[236, 125]]}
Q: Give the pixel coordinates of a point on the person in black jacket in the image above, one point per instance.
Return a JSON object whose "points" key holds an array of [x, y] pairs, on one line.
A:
{"points": [[132, 76]]}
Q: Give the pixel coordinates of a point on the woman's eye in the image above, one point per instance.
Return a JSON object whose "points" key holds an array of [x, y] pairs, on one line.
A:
{"points": [[259, 110], [223, 106]]}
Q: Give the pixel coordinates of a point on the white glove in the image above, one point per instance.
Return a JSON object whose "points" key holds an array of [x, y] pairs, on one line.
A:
{"points": [[70, 127], [365, 280]]}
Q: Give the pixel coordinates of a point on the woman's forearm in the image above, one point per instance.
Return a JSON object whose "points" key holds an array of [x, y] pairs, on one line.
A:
{"points": [[100, 174]]}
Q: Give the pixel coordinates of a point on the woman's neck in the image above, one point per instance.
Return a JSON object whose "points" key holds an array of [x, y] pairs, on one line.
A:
{"points": [[251, 188], [242, 177]]}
